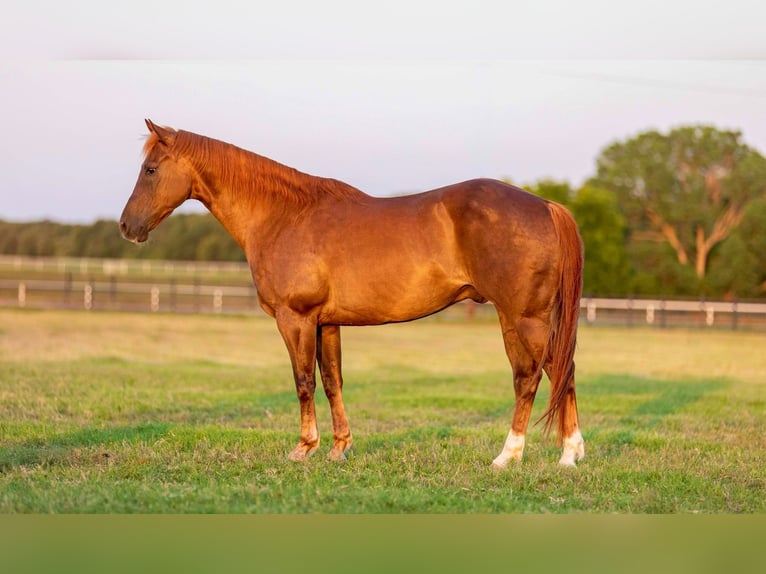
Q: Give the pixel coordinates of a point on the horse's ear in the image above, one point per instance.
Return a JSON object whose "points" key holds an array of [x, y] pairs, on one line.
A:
{"points": [[165, 135]]}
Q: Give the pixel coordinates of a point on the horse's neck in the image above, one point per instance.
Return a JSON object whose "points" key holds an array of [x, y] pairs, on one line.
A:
{"points": [[244, 201]]}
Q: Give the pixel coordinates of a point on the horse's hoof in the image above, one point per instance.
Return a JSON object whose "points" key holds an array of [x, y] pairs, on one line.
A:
{"points": [[296, 455], [574, 450], [300, 453], [336, 455]]}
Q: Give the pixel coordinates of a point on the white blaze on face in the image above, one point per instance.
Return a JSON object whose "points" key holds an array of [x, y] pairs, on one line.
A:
{"points": [[574, 449], [512, 450]]}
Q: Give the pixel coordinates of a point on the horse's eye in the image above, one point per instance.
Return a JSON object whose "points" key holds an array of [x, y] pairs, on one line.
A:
{"points": [[150, 170]]}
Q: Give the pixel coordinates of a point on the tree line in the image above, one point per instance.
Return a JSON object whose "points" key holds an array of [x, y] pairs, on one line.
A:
{"points": [[182, 237], [680, 213]]}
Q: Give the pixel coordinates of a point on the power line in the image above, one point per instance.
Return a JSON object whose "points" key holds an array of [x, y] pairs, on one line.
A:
{"points": [[655, 83]]}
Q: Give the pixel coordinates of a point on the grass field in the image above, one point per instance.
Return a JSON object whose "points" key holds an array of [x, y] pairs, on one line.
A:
{"points": [[128, 413]]}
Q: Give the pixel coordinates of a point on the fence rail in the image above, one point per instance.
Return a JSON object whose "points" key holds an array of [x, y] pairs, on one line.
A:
{"points": [[127, 296], [117, 294], [664, 312]]}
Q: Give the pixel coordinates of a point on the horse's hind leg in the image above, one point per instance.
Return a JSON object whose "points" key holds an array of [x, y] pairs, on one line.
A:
{"points": [[569, 428], [524, 344], [328, 357]]}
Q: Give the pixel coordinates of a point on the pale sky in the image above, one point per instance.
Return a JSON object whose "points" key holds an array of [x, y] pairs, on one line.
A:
{"points": [[391, 98]]}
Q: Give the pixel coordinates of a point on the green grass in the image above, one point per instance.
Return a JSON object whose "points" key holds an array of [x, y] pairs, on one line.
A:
{"points": [[123, 413]]}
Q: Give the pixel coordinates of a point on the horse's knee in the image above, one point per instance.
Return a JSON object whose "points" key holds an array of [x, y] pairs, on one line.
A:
{"points": [[305, 388], [332, 387]]}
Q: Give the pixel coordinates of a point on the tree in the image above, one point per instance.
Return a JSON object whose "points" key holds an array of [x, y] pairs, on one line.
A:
{"points": [[742, 257], [607, 267], [100, 239], [182, 237], [688, 188], [558, 191]]}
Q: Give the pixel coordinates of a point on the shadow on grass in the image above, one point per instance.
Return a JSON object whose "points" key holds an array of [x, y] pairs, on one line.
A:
{"points": [[662, 398], [52, 450], [220, 420]]}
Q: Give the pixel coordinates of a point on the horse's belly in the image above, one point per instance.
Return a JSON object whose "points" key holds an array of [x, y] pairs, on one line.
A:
{"points": [[375, 306]]}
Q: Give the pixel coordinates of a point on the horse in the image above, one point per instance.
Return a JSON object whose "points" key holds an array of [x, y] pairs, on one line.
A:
{"points": [[323, 255]]}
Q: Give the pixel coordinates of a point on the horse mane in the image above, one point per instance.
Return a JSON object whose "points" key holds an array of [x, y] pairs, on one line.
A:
{"points": [[250, 175]]}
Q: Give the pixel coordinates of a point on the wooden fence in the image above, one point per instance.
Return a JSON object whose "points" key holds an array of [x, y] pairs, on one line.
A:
{"points": [[193, 287], [177, 297], [115, 295]]}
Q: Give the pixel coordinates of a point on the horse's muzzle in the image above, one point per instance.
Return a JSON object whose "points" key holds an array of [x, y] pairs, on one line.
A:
{"points": [[136, 234]]}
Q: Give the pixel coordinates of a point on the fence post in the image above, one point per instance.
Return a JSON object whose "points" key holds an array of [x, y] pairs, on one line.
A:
{"points": [[112, 291], [590, 314], [650, 314], [218, 300], [22, 295], [87, 297], [68, 289], [154, 298], [173, 294], [734, 315], [709, 315]]}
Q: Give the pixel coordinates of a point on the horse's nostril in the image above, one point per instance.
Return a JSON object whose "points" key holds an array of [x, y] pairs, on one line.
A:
{"points": [[123, 227]]}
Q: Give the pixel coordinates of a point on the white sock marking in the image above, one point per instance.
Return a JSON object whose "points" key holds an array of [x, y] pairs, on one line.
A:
{"points": [[512, 450], [574, 449]]}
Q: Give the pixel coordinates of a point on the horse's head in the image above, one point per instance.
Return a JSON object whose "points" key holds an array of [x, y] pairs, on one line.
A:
{"points": [[163, 184]]}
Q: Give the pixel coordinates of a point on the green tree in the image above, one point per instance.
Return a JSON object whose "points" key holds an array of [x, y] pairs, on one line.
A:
{"points": [[656, 271], [39, 238], [100, 239], [9, 241], [741, 259], [195, 237], [689, 187], [607, 267], [181, 237], [558, 191]]}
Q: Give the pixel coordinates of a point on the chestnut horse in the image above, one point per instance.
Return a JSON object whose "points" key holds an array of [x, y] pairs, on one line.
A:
{"points": [[323, 254]]}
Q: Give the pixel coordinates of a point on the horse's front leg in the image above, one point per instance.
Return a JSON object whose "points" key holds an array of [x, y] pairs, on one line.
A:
{"points": [[328, 357], [300, 336]]}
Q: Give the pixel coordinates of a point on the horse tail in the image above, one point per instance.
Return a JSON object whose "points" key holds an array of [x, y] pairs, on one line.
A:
{"points": [[566, 311]]}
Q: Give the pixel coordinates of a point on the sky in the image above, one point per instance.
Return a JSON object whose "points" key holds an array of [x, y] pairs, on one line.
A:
{"points": [[392, 98]]}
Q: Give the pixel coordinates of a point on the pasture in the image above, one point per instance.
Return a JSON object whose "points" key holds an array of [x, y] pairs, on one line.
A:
{"points": [[133, 413]]}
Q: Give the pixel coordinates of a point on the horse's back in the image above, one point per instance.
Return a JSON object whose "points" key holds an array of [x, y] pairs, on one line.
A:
{"points": [[494, 201], [495, 213], [485, 223]]}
